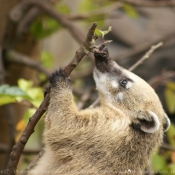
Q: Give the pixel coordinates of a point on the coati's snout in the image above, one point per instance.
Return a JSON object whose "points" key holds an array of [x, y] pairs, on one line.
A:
{"points": [[104, 63]]}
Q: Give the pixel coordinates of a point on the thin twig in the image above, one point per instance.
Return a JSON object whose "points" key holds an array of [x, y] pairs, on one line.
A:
{"points": [[140, 48], [106, 11], [160, 79], [32, 164], [19, 10], [18, 148], [146, 56], [27, 20], [20, 59], [140, 61], [168, 147], [150, 3], [5, 149]]}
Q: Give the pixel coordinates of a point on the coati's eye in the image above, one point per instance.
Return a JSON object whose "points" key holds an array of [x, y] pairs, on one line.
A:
{"points": [[123, 83]]}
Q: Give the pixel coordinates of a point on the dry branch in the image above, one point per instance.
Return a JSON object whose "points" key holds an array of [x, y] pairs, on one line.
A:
{"points": [[150, 3], [32, 164], [18, 148], [18, 12], [20, 59], [146, 56]]}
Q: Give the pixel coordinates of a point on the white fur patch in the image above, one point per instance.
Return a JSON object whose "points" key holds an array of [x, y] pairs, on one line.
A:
{"points": [[128, 85], [100, 80], [114, 84], [168, 123], [120, 96]]}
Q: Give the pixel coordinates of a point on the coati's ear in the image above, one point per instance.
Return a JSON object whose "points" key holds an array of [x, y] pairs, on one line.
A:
{"points": [[147, 122], [166, 123]]}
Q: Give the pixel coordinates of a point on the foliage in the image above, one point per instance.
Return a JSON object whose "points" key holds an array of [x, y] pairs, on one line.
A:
{"points": [[45, 26], [170, 96], [103, 33], [26, 93]]}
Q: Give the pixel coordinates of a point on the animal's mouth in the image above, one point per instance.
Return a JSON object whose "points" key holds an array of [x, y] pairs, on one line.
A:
{"points": [[102, 60], [104, 63]]}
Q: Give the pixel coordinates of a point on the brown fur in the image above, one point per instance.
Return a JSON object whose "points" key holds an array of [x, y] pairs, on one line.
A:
{"points": [[100, 140]]}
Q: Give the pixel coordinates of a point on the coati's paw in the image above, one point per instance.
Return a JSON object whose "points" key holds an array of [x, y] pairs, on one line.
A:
{"points": [[47, 89], [59, 78]]}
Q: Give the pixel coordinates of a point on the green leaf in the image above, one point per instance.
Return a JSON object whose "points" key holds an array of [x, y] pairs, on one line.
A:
{"points": [[63, 8], [44, 27], [25, 84], [130, 11], [172, 167], [171, 85], [47, 59], [15, 91], [11, 91], [3, 88], [35, 92], [29, 113], [170, 98], [158, 162], [6, 99], [87, 5], [103, 33], [171, 134]]}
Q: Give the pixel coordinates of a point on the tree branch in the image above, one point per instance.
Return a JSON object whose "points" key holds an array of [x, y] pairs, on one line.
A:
{"points": [[32, 164], [106, 11], [18, 12], [18, 148], [146, 56], [20, 59], [150, 3]]}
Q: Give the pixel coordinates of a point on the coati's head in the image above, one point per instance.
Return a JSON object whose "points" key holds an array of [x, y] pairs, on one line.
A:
{"points": [[124, 90]]}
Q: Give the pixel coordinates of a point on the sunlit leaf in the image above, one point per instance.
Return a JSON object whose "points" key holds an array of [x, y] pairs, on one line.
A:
{"points": [[20, 128], [29, 113], [158, 162], [35, 92], [24, 84], [6, 99], [103, 33], [130, 11], [47, 59], [20, 125]]}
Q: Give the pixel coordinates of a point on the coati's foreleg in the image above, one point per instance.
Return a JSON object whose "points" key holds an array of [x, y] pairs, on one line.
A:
{"points": [[61, 105]]}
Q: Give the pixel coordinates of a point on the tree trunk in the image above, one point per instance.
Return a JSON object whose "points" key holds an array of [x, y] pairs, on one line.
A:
{"points": [[11, 114]]}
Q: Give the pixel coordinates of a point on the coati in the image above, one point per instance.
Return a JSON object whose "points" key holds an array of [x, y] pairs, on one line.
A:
{"points": [[118, 137]]}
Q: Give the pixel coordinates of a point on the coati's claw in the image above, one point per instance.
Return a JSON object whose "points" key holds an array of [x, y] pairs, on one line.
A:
{"points": [[59, 76], [47, 89]]}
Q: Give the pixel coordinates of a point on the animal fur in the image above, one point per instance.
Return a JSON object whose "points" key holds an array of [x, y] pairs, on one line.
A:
{"points": [[118, 137]]}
